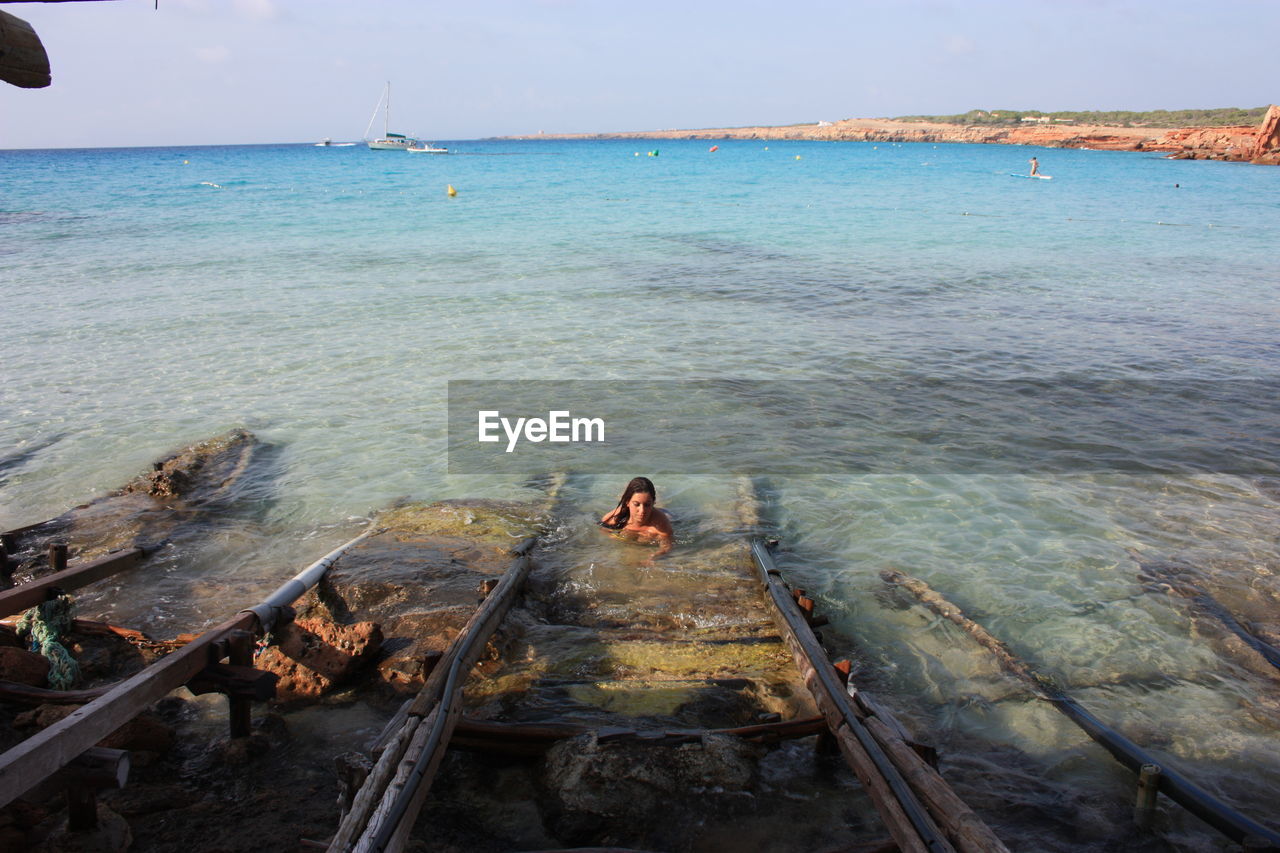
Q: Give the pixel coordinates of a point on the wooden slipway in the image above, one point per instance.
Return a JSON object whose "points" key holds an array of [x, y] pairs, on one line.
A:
{"points": [[594, 665], [619, 674]]}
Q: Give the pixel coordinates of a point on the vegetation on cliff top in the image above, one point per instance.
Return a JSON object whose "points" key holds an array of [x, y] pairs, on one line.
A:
{"points": [[1117, 118]]}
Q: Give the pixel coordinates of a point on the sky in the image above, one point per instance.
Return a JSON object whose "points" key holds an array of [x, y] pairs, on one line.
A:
{"points": [[264, 71]]}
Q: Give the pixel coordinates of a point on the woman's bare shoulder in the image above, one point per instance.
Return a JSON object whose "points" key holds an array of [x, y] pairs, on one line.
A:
{"points": [[662, 521]]}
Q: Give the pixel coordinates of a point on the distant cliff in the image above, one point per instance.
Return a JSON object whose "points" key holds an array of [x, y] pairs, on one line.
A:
{"points": [[1244, 144]]}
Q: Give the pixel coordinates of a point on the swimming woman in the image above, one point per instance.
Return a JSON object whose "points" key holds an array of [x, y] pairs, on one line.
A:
{"points": [[636, 514]]}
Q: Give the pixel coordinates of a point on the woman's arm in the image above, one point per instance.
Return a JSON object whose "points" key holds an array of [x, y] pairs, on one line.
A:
{"points": [[666, 535]]}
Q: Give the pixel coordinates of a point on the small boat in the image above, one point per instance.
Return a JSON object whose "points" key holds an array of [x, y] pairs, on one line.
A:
{"points": [[427, 148], [388, 141]]}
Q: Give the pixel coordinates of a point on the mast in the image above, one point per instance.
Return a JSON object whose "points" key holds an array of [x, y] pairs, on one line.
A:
{"points": [[386, 117]]}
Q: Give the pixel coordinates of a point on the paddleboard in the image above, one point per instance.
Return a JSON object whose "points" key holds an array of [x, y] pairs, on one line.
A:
{"points": [[1038, 177]]}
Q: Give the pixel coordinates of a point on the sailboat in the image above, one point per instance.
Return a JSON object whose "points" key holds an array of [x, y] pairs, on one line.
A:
{"points": [[388, 141]]}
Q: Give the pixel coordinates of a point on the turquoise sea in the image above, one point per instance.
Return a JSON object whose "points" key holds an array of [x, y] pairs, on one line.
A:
{"points": [[325, 297]]}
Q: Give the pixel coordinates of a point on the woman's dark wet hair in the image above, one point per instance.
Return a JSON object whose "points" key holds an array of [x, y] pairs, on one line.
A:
{"points": [[638, 484]]}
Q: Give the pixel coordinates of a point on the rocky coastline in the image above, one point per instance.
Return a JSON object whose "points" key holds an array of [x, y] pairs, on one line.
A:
{"points": [[1258, 145]]}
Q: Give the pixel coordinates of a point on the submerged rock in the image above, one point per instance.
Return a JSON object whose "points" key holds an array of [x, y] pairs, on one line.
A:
{"points": [[590, 786], [183, 494], [420, 578]]}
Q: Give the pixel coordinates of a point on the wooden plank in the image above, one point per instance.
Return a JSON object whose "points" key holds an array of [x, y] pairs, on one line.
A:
{"points": [[51, 749], [370, 793], [30, 594], [905, 817], [470, 641], [968, 830], [23, 61], [401, 806]]}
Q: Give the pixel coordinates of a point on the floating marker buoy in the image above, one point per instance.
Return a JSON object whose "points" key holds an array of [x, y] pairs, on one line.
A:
{"points": [[797, 156], [715, 147], [653, 153], [186, 162], [452, 192]]}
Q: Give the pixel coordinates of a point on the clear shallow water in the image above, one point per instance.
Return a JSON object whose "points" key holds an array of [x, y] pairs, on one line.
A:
{"points": [[324, 297]]}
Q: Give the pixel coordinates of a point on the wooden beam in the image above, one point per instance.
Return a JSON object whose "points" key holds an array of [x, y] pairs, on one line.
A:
{"points": [[917, 804], [406, 742], [82, 574], [44, 753], [51, 749], [905, 818], [23, 61]]}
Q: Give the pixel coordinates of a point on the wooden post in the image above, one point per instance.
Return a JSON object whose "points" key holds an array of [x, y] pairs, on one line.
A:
{"points": [[6, 573], [94, 770], [82, 808], [904, 816], [1148, 788], [240, 653], [58, 556]]}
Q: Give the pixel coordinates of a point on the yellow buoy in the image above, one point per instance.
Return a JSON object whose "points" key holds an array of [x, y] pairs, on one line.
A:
{"points": [[797, 156], [452, 192]]}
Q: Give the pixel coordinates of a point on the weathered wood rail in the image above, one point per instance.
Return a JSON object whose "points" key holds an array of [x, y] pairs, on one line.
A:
{"points": [[67, 577], [1155, 775], [383, 811], [198, 663], [919, 808]]}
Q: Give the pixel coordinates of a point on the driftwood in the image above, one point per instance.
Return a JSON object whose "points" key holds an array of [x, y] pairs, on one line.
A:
{"points": [[920, 810], [1172, 784]]}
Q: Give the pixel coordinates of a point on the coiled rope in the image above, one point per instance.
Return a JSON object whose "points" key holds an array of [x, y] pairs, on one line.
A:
{"points": [[47, 623]]}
